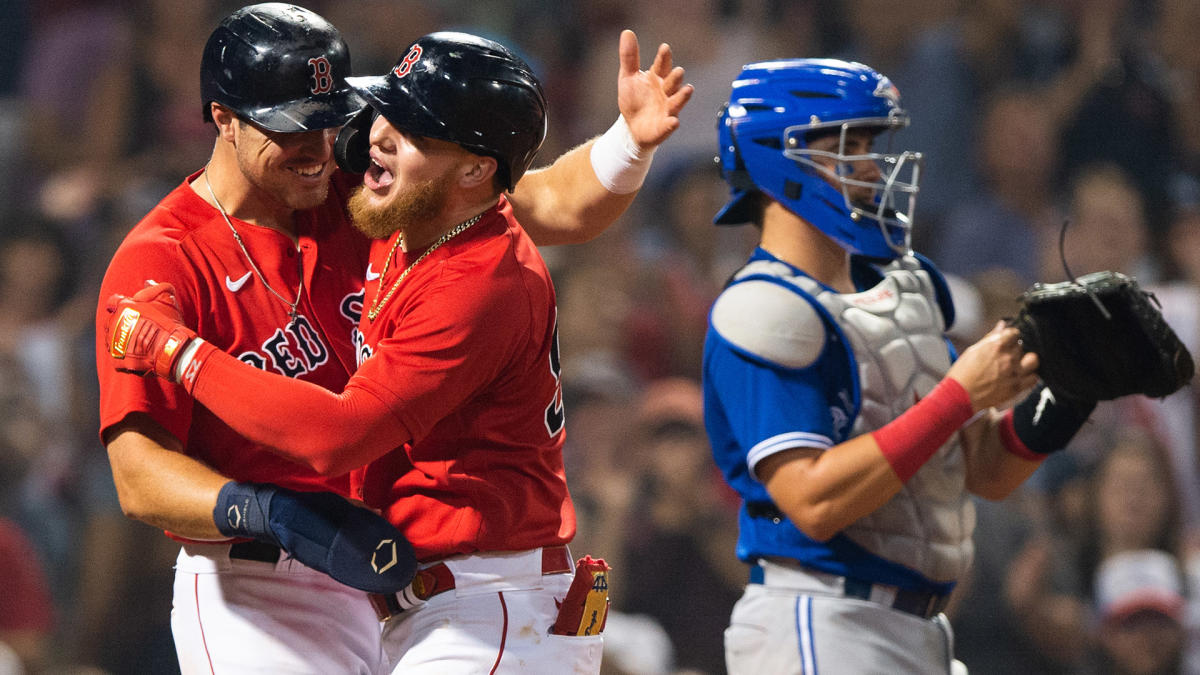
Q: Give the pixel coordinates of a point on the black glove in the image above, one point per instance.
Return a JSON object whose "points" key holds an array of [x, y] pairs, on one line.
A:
{"points": [[352, 544], [1101, 337]]}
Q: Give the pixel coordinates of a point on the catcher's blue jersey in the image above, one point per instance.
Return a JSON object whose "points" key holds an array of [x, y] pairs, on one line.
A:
{"points": [[769, 384]]}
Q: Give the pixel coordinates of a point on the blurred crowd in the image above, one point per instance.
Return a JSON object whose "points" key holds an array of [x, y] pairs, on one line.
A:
{"points": [[1034, 115]]}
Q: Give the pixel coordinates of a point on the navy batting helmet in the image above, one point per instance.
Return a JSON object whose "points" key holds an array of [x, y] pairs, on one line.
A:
{"points": [[279, 66], [775, 109], [468, 90]]}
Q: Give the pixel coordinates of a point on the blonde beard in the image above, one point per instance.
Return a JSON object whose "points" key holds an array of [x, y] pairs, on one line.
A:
{"points": [[415, 205]]}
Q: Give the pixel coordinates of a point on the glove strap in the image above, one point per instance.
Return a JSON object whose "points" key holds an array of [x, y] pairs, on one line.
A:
{"points": [[188, 364], [173, 347], [243, 510], [1042, 423], [908, 441]]}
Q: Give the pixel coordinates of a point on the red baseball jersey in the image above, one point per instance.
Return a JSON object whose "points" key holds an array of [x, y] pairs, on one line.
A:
{"points": [[456, 409], [185, 241], [465, 354]]}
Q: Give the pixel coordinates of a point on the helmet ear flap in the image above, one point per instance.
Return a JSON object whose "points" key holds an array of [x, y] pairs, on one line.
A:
{"points": [[352, 148]]}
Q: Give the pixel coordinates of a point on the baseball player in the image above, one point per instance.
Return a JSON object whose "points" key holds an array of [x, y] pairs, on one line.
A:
{"points": [[266, 267], [456, 407], [834, 404]]}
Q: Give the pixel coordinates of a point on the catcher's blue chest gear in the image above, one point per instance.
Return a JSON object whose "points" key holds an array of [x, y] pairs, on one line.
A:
{"points": [[781, 371]]}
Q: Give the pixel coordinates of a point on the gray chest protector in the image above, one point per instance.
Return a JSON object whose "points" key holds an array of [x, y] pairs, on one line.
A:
{"points": [[895, 331]]}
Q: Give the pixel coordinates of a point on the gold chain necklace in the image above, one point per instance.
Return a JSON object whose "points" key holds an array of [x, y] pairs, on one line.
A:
{"points": [[291, 304], [377, 306]]}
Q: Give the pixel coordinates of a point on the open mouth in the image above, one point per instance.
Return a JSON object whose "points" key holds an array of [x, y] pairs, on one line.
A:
{"points": [[377, 176]]}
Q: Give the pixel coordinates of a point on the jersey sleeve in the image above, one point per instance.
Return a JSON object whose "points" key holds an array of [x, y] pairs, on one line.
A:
{"points": [[768, 408], [331, 433], [771, 371], [143, 258]]}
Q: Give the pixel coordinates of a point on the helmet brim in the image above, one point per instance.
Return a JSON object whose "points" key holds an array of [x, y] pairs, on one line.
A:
{"points": [[308, 114], [398, 106]]}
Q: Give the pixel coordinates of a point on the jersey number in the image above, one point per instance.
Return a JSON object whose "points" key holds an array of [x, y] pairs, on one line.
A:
{"points": [[555, 416]]}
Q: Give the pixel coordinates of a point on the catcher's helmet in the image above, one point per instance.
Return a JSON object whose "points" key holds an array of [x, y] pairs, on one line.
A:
{"points": [[775, 109], [467, 90], [279, 66]]}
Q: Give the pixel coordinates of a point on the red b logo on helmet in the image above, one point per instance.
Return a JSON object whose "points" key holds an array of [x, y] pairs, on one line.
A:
{"points": [[321, 75], [410, 59]]}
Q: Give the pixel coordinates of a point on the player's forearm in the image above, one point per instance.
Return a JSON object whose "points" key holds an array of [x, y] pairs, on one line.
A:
{"points": [[993, 472], [331, 433], [161, 486], [565, 203], [824, 491], [585, 190], [836, 487]]}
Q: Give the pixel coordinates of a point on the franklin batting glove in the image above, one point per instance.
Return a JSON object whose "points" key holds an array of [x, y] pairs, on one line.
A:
{"points": [[145, 332]]}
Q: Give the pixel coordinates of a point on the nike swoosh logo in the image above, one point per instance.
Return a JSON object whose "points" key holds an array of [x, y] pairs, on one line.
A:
{"points": [[235, 286], [372, 275], [1047, 397]]}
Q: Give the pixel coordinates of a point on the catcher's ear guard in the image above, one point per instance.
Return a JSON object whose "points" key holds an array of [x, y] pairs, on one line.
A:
{"points": [[1101, 337], [352, 148]]}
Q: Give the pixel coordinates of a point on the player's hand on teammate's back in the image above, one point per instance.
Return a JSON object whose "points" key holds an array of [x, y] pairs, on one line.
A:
{"points": [[995, 369], [326, 532], [145, 332], [649, 100]]}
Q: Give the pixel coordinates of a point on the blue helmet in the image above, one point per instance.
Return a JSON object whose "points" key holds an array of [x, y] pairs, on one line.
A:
{"points": [[775, 109]]}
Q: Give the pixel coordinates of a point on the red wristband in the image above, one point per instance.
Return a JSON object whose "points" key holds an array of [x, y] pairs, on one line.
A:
{"points": [[908, 441], [1013, 443]]}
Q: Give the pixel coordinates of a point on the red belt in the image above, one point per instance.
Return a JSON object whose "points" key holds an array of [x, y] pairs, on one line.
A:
{"points": [[438, 578]]}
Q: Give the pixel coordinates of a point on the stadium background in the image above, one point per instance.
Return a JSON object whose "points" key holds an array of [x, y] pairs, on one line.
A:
{"points": [[1028, 112]]}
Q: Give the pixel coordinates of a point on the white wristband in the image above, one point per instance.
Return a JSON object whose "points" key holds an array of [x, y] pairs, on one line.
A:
{"points": [[185, 359], [620, 165]]}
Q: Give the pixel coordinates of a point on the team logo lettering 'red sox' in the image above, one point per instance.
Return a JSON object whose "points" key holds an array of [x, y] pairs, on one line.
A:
{"points": [[322, 75], [410, 60], [293, 350]]}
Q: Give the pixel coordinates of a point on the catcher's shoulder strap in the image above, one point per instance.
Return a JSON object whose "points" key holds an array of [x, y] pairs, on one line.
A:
{"points": [[765, 314]]}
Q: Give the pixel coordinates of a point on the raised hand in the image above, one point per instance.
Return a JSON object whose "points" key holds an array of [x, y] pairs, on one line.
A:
{"points": [[145, 333], [649, 100]]}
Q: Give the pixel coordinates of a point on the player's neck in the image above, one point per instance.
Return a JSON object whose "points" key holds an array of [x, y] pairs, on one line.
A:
{"points": [[794, 241], [239, 198], [424, 234]]}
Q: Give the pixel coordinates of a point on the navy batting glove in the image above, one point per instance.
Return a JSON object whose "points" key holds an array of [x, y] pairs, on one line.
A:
{"points": [[354, 545]]}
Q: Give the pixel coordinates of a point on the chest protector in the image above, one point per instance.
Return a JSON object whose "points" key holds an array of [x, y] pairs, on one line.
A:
{"points": [[895, 331]]}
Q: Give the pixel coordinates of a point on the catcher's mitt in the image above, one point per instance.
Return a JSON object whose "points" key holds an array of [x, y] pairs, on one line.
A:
{"points": [[1100, 337]]}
